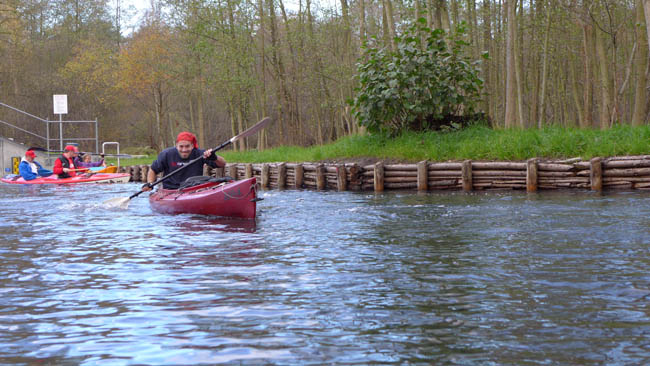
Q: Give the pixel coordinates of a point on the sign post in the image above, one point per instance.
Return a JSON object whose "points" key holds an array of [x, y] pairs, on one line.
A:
{"points": [[60, 108]]}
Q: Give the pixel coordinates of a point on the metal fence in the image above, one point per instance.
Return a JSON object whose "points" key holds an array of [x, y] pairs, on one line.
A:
{"points": [[51, 137]]}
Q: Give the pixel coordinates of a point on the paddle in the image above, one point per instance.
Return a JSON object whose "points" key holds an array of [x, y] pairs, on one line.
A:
{"points": [[123, 202]]}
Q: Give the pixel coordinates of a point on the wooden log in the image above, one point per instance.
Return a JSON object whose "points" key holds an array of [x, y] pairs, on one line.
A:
{"points": [[555, 167], [282, 175], [629, 157], [564, 180], [320, 177], [342, 179], [627, 179], [466, 173], [401, 167], [378, 177], [445, 182], [620, 185], [265, 176], [207, 171], [444, 166], [497, 165], [531, 175], [400, 185], [445, 173], [300, 175], [636, 172], [596, 174], [400, 173], [583, 165], [555, 174], [497, 173], [400, 179], [422, 176], [624, 164]]}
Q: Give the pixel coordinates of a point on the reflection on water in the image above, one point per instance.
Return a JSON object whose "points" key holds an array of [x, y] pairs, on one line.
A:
{"points": [[326, 278], [230, 225]]}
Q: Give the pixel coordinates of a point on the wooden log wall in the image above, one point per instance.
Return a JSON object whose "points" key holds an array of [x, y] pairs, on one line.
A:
{"points": [[623, 172]]}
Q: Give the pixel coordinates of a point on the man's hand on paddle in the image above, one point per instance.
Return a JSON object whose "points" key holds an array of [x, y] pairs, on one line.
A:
{"points": [[207, 153], [146, 187]]}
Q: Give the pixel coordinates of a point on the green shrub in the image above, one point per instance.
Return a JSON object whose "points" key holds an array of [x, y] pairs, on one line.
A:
{"points": [[426, 81]]}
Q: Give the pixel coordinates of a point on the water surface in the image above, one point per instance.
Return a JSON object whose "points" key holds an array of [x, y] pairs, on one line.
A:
{"points": [[555, 278]]}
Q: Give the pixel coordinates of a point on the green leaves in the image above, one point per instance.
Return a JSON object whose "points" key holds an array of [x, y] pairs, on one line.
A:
{"points": [[427, 78]]}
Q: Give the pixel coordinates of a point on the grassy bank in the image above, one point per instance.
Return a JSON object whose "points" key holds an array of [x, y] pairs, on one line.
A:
{"points": [[476, 143]]}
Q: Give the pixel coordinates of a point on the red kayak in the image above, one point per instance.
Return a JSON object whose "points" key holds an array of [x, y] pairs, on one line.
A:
{"points": [[227, 199], [81, 178]]}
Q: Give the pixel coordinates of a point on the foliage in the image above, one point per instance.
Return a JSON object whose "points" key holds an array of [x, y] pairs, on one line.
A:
{"points": [[427, 78]]}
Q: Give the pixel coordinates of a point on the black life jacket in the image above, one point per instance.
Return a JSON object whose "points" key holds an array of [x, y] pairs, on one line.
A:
{"points": [[65, 163]]}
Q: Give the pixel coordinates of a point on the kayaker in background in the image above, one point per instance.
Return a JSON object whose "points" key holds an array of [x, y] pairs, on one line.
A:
{"points": [[176, 157], [85, 161], [30, 169], [64, 165]]}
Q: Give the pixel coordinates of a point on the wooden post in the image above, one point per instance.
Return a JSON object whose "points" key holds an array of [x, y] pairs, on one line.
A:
{"points": [[144, 169], [300, 175], [249, 170], [379, 177], [423, 176], [596, 174], [320, 177], [341, 178], [219, 172], [531, 175], [466, 173], [282, 175], [265, 175], [135, 173], [355, 176]]}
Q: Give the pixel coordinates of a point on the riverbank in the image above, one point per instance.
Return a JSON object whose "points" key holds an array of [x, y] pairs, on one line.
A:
{"points": [[473, 143]]}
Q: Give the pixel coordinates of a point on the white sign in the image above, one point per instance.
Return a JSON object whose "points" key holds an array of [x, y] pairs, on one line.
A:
{"points": [[60, 103]]}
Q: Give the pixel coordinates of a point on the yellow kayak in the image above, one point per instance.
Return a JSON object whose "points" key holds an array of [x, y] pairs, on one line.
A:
{"points": [[100, 169]]}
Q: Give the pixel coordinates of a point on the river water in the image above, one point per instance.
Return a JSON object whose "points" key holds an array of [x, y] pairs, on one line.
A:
{"points": [[555, 278]]}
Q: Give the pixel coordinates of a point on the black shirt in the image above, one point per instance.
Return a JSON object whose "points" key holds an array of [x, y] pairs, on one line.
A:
{"points": [[169, 160]]}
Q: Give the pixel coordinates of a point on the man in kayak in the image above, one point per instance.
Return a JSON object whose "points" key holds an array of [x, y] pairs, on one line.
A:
{"points": [[64, 164], [176, 157], [30, 169]]}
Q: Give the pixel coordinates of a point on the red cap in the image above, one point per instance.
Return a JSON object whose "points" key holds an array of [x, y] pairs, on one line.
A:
{"points": [[30, 153], [71, 148], [187, 136]]}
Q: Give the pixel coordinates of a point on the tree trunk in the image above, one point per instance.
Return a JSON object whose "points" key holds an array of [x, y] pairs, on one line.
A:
{"points": [[640, 94], [589, 56], [605, 106], [511, 87], [542, 93]]}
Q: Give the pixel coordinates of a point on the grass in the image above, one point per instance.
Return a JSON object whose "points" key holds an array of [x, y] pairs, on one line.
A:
{"points": [[475, 143]]}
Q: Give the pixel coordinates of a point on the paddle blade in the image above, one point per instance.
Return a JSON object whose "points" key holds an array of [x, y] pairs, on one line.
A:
{"points": [[118, 202], [252, 130]]}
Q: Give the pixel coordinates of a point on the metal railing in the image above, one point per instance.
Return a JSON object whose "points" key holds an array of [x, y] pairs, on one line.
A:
{"points": [[47, 139]]}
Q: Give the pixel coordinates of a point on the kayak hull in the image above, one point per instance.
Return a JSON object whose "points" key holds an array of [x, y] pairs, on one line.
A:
{"points": [[79, 179], [233, 199], [106, 169]]}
